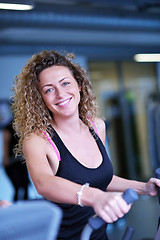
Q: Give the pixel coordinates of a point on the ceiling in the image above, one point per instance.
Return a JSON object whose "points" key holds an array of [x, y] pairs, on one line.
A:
{"points": [[98, 29]]}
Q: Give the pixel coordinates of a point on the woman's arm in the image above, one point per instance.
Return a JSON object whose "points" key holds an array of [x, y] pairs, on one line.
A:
{"points": [[120, 185], [42, 163], [38, 154]]}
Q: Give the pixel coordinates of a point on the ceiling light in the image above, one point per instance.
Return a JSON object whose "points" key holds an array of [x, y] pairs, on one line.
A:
{"points": [[147, 57], [16, 5]]}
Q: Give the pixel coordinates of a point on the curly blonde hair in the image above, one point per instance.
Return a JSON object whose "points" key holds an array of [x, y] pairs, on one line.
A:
{"points": [[30, 112]]}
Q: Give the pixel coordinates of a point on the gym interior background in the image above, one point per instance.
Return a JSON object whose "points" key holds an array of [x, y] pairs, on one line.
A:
{"points": [[104, 35]]}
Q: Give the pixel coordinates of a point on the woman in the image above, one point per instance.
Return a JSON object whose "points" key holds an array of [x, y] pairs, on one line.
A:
{"points": [[15, 167], [63, 138]]}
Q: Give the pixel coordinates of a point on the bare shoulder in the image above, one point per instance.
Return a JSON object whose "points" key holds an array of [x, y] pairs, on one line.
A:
{"points": [[33, 137], [32, 140], [100, 124], [38, 151], [33, 144]]}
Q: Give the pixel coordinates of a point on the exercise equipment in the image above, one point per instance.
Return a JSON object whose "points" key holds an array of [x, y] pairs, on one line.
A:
{"points": [[96, 222], [30, 220]]}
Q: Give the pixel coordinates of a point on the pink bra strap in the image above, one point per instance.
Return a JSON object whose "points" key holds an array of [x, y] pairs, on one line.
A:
{"points": [[51, 142], [94, 125]]}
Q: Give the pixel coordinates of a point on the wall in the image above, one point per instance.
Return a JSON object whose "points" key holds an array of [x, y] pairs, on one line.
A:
{"points": [[139, 80]]}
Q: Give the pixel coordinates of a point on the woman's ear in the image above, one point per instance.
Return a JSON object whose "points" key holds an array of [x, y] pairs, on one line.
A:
{"points": [[80, 88]]}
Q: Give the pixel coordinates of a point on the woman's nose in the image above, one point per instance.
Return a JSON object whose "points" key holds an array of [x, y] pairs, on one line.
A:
{"points": [[59, 92]]}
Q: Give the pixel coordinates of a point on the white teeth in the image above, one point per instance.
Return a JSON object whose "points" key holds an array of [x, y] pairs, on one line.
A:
{"points": [[63, 103]]}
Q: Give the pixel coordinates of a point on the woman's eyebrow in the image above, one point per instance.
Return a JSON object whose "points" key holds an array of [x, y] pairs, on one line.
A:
{"points": [[47, 85], [62, 79], [50, 84]]}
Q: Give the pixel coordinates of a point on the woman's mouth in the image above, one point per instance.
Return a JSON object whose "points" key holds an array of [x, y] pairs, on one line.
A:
{"points": [[62, 103]]}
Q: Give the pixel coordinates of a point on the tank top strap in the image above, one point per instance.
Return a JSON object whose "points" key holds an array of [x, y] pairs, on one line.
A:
{"points": [[95, 128], [51, 142]]}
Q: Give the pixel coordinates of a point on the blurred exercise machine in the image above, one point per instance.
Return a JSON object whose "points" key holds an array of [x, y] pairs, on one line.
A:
{"points": [[153, 117], [30, 220]]}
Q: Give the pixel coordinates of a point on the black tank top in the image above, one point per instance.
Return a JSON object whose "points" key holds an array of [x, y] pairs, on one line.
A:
{"points": [[75, 217]]}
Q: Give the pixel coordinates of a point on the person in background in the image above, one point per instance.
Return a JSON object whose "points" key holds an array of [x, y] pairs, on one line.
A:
{"points": [[5, 203], [15, 167], [62, 138]]}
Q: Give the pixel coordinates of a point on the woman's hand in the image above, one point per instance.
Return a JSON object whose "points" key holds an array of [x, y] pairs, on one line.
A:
{"points": [[152, 186], [5, 203], [110, 206]]}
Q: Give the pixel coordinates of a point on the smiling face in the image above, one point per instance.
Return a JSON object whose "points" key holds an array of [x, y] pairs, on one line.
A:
{"points": [[59, 90]]}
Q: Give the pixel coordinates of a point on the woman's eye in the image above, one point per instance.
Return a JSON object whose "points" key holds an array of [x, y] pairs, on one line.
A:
{"points": [[65, 83], [49, 90]]}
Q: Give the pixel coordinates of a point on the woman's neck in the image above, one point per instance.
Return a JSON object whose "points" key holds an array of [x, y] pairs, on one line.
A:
{"points": [[67, 125]]}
